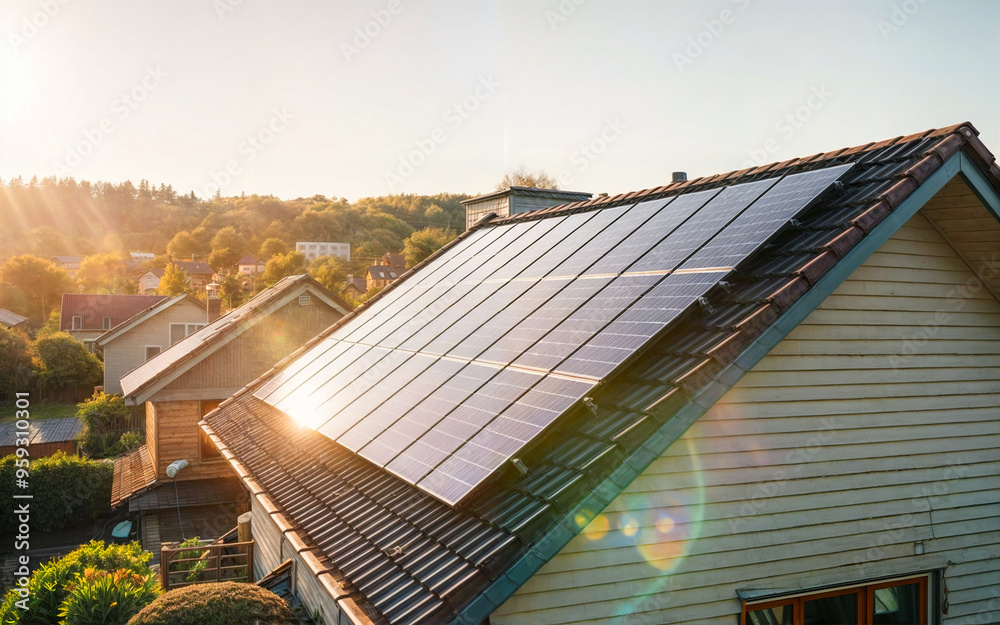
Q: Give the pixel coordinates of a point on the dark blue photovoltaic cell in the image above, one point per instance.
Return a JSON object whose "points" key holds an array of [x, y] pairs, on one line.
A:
{"points": [[640, 322], [656, 228], [765, 218], [503, 437], [464, 364], [705, 224], [499, 324], [351, 405]]}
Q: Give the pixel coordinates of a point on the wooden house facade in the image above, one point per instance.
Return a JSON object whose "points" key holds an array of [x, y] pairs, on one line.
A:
{"points": [[188, 380], [812, 440]]}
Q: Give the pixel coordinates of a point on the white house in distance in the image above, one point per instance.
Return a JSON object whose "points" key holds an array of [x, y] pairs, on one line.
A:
{"points": [[133, 342], [764, 397], [150, 281], [319, 249], [250, 265]]}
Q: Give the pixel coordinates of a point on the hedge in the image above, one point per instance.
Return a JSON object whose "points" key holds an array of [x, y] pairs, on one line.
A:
{"points": [[66, 490], [225, 603]]}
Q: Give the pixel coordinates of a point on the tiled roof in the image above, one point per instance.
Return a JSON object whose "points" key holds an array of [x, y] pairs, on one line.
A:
{"points": [[134, 472], [396, 261], [217, 333], [194, 267], [67, 259], [358, 283], [93, 307], [249, 259], [189, 493], [11, 319], [404, 557], [42, 431], [381, 272]]}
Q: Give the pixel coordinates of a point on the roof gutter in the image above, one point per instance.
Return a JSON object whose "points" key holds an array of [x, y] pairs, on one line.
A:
{"points": [[895, 208], [296, 538]]}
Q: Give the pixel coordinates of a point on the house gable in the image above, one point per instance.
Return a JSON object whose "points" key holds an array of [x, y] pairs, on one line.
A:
{"points": [[879, 410]]}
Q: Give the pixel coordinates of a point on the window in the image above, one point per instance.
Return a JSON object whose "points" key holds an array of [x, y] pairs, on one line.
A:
{"points": [[895, 602], [151, 351], [106, 322], [194, 327], [177, 332], [207, 449], [77, 322]]}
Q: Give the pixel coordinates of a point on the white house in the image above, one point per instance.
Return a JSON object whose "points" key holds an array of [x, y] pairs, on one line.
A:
{"points": [[318, 249]]}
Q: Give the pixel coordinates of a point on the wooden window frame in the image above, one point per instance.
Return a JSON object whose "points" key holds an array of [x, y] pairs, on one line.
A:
{"points": [[864, 591], [170, 332], [145, 352]]}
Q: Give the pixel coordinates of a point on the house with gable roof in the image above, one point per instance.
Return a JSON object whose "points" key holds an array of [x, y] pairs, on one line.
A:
{"points": [[87, 316], [768, 396], [136, 340], [189, 379]]}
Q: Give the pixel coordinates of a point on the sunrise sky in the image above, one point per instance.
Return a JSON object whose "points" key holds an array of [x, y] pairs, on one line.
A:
{"points": [[441, 95]]}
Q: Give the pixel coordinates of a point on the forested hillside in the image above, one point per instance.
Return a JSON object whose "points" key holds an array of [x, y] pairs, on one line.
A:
{"points": [[50, 217]]}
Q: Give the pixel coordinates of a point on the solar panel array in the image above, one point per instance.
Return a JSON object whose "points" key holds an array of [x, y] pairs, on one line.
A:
{"points": [[460, 367]]}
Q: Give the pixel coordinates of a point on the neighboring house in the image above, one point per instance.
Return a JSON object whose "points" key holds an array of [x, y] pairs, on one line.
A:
{"points": [[45, 436], [355, 288], [133, 342], [14, 321], [772, 393], [70, 263], [191, 378], [87, 316], [199, 274], [380, 276], [141, 257], [251, 266], [150, 281], [396, 261], [318, 249]]}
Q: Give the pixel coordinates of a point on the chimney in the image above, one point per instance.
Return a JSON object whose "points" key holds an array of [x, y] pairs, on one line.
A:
{"points": [[680, 176], [214, 308], [515, 200]]}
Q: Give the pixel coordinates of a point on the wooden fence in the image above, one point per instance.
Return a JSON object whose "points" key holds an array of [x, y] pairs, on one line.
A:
{"points": [[210, 562]]}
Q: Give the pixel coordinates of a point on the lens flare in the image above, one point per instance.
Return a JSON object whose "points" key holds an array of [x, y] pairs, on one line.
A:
{"points": [[598, 528]]}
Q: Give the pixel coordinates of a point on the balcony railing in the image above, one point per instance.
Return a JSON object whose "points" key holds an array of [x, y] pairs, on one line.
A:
{"points": [[209, 562]]}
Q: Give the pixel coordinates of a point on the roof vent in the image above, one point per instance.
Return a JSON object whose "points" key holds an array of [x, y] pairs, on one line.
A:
{"points": [[680, 176], [515, 200]]}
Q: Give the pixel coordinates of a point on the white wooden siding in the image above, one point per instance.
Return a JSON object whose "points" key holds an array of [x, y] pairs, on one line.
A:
{"points": [[822, 466], [128, 351]]}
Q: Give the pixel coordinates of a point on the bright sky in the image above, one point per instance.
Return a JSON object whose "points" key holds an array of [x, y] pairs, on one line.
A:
{"points": [[445, 95]]}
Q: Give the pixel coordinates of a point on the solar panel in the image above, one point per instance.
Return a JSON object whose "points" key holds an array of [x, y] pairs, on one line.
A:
{"points": [[468, 361]]}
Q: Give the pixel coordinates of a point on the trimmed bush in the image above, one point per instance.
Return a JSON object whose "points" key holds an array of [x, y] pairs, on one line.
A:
{"points": [[67, 489], [224, 603], [52, 584]]}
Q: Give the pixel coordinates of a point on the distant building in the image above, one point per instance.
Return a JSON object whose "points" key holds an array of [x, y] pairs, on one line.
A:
{"points": [[380, 276], [142, 256], [515, 200], [318, 249], [149, 281], [250, 265], [87, 316], [13, 320], [355, 287], [199, 273], [396, 261], [70, 263]]}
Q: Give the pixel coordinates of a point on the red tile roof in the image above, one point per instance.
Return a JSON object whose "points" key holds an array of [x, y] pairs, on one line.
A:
{"points": [[134, 473], [93, 307]]}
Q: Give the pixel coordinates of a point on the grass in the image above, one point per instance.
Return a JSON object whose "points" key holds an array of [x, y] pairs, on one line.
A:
{"points": [[38, 411]]}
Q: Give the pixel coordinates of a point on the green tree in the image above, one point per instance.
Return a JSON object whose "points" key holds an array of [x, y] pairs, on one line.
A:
{"points": [[183, 245], [272, 247], [16, 370], [40, 282], [231, 290], [289, 264], [423, 243], [521, 177], [64, 365], [173, 282], [97, 273], [331, 272]]}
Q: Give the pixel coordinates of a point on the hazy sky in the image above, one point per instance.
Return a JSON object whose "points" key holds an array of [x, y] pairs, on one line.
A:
{"points": [[369, 97]]}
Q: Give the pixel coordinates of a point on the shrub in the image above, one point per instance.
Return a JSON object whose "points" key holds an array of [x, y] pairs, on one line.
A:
{"points": [[100, 415], [193, 569], [49, 586], [16, 370], [221, 603], [108, 598], [67, 489], [130, 441]]}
